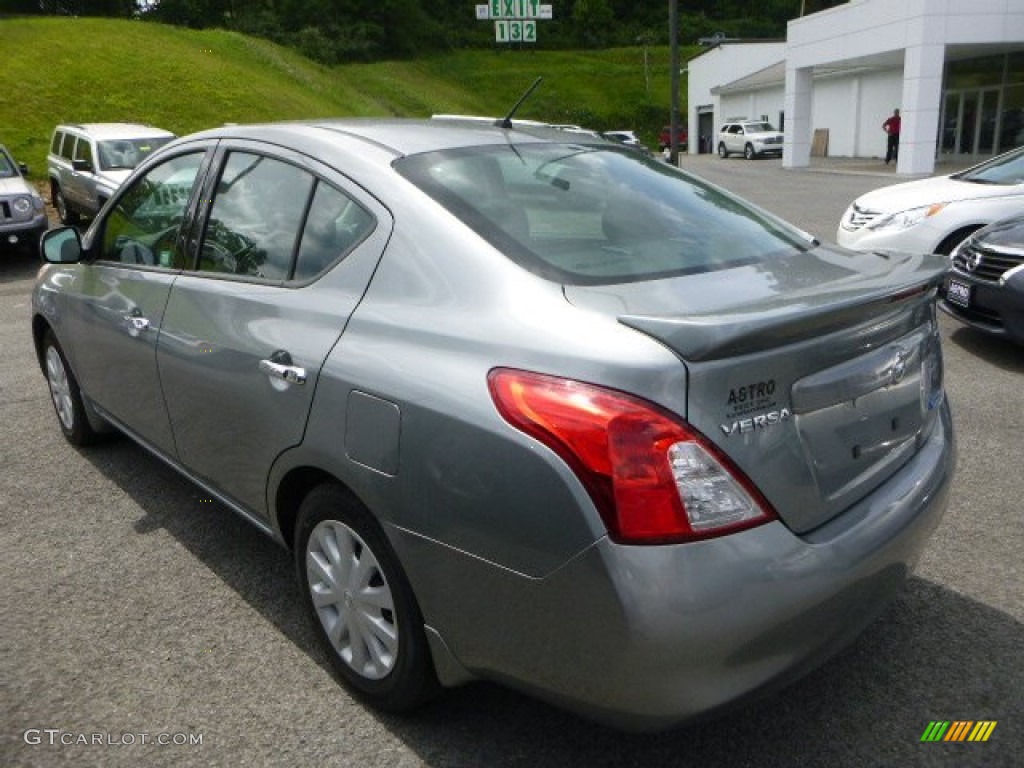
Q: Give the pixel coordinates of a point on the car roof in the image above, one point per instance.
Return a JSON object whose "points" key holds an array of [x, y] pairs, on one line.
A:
{"points": [[103, 131], [403, 136]]}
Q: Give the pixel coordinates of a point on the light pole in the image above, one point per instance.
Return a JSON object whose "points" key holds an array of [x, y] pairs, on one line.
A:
{"points": [[645, 39], [673, 32]]}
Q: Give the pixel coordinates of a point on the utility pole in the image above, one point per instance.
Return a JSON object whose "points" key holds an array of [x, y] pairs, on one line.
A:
{"points": [[673, 32]]}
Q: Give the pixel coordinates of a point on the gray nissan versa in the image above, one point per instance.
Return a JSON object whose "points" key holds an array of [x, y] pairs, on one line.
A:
{"points": [[525, 405]]}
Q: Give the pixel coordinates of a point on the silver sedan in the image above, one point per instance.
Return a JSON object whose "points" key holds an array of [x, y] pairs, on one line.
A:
{"points": [[525, 406]]}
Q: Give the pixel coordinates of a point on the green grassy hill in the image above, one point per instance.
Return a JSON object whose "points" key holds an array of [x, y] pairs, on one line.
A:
{"points": [[93, 70]]}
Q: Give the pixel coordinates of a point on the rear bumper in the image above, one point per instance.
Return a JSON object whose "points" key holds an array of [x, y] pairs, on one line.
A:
{"points": [[646, 637]]}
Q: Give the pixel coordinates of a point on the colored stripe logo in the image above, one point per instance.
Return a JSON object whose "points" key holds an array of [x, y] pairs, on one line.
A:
{"points": [[958, 730]]}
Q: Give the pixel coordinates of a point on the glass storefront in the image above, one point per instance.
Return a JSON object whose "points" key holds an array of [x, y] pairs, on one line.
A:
{"points": [[983, 105]]}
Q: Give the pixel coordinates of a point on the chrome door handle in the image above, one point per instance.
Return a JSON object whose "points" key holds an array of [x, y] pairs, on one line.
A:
{"points": [[293, 374], [136, 324]]}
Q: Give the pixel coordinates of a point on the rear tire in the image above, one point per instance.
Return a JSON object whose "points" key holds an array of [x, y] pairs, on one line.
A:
{"points": [[749, 153], [722, 151], [65, 394], [360, 602]]}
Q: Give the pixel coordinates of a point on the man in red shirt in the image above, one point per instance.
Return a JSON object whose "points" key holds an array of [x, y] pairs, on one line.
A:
{"points": [[892, 129]]}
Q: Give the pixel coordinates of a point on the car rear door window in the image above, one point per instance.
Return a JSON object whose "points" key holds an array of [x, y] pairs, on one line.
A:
{"points": [[256, 217], [67, 147], [142, 228]]}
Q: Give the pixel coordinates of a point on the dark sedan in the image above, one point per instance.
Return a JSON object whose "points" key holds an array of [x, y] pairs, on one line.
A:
{"points": [[985, 288]]}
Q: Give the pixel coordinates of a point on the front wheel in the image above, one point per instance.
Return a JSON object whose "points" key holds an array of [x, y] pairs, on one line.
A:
{"points": [[748, 152], [362, 607], [722, 151], [64, 211], [954, 239], [65, 394]]}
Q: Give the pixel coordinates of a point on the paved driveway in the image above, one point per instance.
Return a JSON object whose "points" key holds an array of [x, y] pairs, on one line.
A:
{"points": [[132, 605]]}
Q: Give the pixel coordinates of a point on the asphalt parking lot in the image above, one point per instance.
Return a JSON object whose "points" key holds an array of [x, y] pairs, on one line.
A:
{"points": [[133, 605]]}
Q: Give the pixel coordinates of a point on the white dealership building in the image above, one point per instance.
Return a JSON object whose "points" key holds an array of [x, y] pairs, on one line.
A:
{"points": [[954, 69]]}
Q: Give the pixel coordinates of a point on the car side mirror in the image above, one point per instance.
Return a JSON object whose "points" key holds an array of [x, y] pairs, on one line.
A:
{"points": [[62, 246], [23, 169], [81, 165]]}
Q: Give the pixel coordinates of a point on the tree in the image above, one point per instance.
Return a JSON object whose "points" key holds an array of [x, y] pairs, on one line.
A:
{"points": [[593, 20]]}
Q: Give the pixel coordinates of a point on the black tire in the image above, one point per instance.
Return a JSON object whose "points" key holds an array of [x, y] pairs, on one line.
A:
{"points": [[394, 679], [65, 394], [722, 151], [953, 240], [749, 153], [64, 211]]}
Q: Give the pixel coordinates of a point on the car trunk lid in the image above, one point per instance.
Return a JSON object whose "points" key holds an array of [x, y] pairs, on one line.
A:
{"points": [[818, 373]]}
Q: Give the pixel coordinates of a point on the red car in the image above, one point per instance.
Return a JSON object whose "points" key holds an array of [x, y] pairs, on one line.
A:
{"points": [[665, 137]]}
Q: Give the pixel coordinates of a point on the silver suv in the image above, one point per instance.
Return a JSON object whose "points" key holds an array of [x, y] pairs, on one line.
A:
{"points": [[754, 138], [22, 212], [88, 162]]}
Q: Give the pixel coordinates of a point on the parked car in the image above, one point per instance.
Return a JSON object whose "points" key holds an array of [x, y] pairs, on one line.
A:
{"points": [[985, 288], [665, 138], [22, 210], [934, 215], [751, 138], [524, 408], [627, 139], [87, 162]]}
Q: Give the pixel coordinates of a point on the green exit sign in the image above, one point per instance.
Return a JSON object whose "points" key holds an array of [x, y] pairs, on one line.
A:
{"points": [[515, 21], [514, 9]]}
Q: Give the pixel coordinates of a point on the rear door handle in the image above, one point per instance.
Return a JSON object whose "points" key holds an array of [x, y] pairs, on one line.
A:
{"points": [[280, 366], [136, 323]]}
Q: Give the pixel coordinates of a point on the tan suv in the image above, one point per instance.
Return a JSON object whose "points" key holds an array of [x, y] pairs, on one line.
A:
{"points": [[88, 162]]}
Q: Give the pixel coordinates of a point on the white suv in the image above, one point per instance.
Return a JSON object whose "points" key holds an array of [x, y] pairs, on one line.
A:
{"points": [[88, 162], [752, 138]]}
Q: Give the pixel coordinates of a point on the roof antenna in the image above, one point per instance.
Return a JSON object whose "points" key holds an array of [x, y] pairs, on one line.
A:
{"points": [[506, 123]]}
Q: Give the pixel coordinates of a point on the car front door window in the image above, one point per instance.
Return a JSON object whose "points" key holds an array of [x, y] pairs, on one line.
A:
{"points": [[142, 229]]}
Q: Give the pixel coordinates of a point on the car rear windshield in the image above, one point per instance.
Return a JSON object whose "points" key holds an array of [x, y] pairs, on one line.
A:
{"points": [[582, 214], [125, 154]]}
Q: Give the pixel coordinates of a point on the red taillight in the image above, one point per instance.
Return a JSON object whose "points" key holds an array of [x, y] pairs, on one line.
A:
{"points": [[653, 478]]}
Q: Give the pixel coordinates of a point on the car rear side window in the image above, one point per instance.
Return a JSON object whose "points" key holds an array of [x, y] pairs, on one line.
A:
{"points": [[58, 137], [142, 228], [590, 215], [335, 225], [256, 217]]}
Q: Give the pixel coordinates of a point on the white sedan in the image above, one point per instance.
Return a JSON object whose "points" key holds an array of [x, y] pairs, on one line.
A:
{"points": [[934, 215]]}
